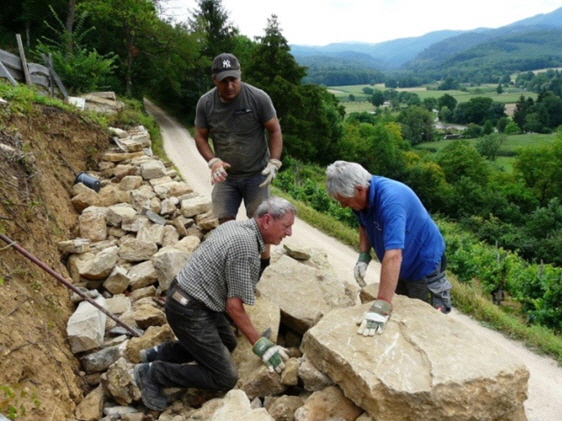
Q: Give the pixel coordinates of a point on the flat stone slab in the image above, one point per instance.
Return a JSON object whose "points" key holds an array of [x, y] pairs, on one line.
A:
{"points": [[425, 366]]}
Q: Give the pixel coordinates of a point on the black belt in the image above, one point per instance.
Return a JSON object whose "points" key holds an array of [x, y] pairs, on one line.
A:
{"points": [[177, 293]]}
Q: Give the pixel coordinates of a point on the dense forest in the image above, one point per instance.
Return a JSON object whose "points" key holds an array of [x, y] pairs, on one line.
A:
{"points": [[124, 46]]}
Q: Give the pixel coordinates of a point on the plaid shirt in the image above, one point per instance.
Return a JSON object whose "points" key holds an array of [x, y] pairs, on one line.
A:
{"points": [[225, 265]]}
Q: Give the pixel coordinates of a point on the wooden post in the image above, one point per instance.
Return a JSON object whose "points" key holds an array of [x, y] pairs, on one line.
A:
{"points": [[49, 63], [5, 72], [23, 60]]}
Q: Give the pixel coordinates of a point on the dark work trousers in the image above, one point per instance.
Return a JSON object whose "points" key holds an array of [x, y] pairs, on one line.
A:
{"points": [[201, 357], [434, 289]]}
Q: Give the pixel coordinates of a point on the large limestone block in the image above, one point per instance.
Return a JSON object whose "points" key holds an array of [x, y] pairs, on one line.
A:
{"points": [[92, 223], [168, 261], [195, 205], [264, 315], [425, 366], [302, 292], [86, 326]]}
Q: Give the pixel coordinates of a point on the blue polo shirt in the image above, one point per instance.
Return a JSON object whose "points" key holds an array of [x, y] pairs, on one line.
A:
{"points": [[396, 219]]}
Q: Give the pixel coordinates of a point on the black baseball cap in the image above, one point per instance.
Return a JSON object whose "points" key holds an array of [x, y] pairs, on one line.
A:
{"points": [[225, 65]]}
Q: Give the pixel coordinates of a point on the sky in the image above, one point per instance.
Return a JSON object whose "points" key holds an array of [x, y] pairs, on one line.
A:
{"points": [[321, 22]]}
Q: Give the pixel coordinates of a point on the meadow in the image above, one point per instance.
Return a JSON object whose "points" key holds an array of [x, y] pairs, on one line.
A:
{"points": [[361, 100], [506, 152]]}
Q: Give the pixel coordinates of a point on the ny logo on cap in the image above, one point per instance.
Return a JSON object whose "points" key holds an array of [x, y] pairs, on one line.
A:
{"points": [[226, 64]]}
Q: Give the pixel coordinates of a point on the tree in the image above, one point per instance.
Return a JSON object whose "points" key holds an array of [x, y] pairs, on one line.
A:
{"points": [[522, 108], [80, 69], [487, 128], [499, 89], [488, 145], [540, 167], [311, 118], [448, 101], [448, 84], [273, 68], [417, 124], [445, 114], [377, 99], [31, 18], [458, 159], [430, 103], [476, 110], [122, 21], [472, 131], [512, 128], [502, 124], [211, 21], [549, 106]]}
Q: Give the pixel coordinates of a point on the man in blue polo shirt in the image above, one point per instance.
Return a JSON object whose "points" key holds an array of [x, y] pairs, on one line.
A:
{"points": [[408, 243]]}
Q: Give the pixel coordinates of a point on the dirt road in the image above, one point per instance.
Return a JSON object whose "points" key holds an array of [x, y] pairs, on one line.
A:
{"points": [[545, 384]]}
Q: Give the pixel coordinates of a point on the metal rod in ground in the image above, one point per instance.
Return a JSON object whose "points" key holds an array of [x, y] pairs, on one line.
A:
{"points": [[66, 283]]}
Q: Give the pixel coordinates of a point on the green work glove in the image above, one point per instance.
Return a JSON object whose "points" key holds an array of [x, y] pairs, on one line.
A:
{"points": [[274, 356], [270, 171], [361, 268], [374, 319]]}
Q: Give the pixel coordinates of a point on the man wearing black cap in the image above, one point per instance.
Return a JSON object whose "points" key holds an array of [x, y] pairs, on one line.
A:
{"points": [[247, 142]]}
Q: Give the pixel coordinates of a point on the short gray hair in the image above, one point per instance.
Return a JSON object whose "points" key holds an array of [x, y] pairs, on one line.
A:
{"points": [[342, 177], [275, 206]]}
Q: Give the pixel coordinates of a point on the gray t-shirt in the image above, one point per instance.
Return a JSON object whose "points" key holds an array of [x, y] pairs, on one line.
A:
{"points": [[237, 128]]}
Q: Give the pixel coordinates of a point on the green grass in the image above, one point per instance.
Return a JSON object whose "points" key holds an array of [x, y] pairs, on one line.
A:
{"points": [[358, 107], [509, 147], [512, 143], [510, 95]]}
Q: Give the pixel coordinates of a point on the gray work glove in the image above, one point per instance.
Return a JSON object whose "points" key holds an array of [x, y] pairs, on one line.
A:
{"points": [[374, 319], [270, 171], [274, 356], [218, 170], [361, 268]]}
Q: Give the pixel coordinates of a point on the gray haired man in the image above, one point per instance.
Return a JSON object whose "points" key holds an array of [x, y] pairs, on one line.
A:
{"points": [[217, 280]]}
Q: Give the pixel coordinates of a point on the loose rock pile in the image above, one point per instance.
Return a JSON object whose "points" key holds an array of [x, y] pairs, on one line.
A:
{"points": [[133, 237]]}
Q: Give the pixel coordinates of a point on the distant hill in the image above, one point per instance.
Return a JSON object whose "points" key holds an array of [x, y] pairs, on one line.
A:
{"points": [[534, 41], [385, 55], [503, 51]]}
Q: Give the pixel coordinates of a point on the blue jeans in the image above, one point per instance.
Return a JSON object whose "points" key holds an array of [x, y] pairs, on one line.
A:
{"points": [[228, 195], [206, 339]]}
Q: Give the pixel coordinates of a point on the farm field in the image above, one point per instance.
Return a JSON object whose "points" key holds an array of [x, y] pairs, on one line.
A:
{"points": [[361, 103], [510, 145], [506, 151]]}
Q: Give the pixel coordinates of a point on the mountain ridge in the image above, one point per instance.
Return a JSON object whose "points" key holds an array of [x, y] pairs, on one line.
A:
{"points": [[437, 45]]}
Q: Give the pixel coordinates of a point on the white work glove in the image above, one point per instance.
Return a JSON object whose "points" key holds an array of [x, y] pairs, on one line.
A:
{"points": [[218, 170], [361, 268], [270, 171], [274, 356], [374, 319]]}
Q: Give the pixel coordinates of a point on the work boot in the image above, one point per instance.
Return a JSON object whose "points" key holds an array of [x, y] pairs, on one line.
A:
{"points": [[152, 394], [148, 355]]}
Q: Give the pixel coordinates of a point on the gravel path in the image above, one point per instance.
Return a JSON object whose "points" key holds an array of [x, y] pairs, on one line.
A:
{"points": [[545, 384]]}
